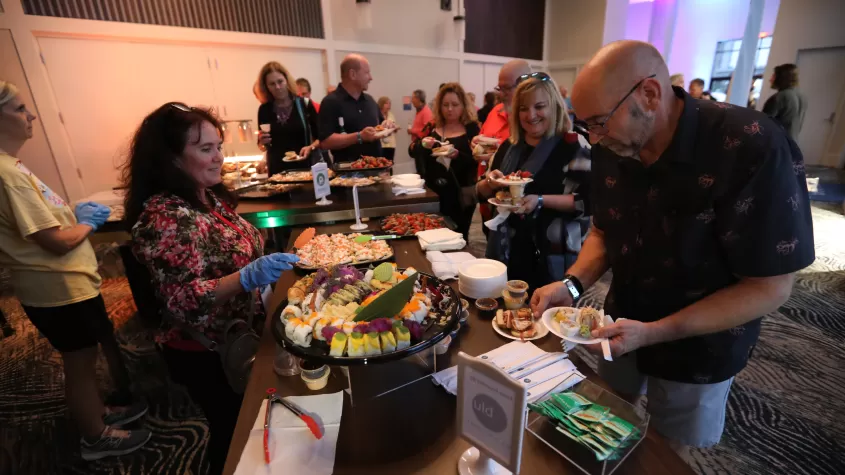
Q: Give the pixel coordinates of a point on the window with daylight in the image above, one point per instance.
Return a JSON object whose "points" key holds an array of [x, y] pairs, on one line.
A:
{"points": [[724, 63]]}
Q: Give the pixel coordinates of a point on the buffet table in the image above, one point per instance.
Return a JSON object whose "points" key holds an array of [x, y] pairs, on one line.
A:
{"points": [[412, 430], [301, 208]]}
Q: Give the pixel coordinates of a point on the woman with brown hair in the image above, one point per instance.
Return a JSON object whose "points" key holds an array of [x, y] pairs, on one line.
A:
{"points": [[206, 262], [452, 177], [788, 106], [292, 121]]}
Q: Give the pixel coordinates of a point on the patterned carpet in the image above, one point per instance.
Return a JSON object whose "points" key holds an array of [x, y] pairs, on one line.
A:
{"points": [[783, 417]]}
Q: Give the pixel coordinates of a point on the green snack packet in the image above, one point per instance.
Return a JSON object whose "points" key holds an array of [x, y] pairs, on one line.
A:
{"points": [[618, 425], [578, 424], [569, 402], [602, 452], [594, 413], [572, 428], [607, 441], [568, 434]]}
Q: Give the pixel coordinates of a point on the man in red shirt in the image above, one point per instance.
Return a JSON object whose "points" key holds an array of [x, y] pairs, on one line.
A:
{"points": [[496, 124], [303, 88], [423, 117]]}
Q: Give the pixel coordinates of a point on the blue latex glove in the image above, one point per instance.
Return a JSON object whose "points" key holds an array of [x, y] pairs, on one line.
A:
{"points": [[92, 214], [266, 270]]}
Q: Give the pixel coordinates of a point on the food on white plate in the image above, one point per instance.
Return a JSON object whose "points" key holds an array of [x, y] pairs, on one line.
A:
{"points": [[295, 177], [370, 162], [349, 182], [519, 322], [404, 224], [518, 177], [330, 250], [444, 149], [565, 318], [588, 320], [291, 154], [504, 197], [342, 314], [485, 145]]}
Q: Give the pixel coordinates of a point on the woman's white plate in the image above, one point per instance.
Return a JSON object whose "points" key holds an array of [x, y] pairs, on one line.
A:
{"points": [[441, 154], [506, 182], [551, 323], [496, 203], [542, 331], [296, 158]]}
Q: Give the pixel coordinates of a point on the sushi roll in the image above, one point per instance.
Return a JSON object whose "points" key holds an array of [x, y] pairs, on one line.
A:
{"points": [[338, 323], [356, 344], [588, 320], [422, 298], [304, 304], [414, 310], [302, 335], [403, 337], [372, 346], [291, 325], [312, 319], [569, 328], [318, 328], [338, 345], [349, 327], [388, 342], [291, 311]]}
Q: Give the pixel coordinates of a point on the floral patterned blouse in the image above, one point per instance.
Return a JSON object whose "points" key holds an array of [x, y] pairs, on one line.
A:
{"points": [[187, 252]]}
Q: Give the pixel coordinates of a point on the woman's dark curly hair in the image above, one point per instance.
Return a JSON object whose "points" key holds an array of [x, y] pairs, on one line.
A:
{"points": [[786, 76], [151, 167]]}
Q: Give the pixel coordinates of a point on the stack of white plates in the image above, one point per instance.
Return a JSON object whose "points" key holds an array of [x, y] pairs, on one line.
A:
{"points": [[408, 180], [481, 278]]}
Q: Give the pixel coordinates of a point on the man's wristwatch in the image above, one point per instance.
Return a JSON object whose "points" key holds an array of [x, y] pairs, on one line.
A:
{"points": [[360, 140], [573, 285], [539, 202]]}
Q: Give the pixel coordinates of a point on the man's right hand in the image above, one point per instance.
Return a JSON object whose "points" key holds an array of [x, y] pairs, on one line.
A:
{"points": [[552, 295], [368, 134]]}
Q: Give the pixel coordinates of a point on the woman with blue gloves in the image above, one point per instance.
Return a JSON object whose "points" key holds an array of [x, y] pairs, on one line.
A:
{"points": [[206, 262], [45, 246]]}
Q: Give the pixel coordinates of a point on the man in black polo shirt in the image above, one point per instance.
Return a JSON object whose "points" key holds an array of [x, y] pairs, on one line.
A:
{"points": [[701, 211], [348, 116]]}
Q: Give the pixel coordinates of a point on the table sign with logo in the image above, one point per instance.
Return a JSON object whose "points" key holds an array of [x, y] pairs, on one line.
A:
{"points": [[491, 415], [320, 175]]}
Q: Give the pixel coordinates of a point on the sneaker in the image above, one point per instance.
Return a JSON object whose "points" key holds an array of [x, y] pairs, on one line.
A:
{"points": [[114, 442], [120, 416]]}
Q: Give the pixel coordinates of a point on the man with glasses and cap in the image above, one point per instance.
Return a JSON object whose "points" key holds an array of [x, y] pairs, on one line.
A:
{"points": [[701, 210]]}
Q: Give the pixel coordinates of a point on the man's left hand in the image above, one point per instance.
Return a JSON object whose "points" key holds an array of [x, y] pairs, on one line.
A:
{"points": [[626, 336]]}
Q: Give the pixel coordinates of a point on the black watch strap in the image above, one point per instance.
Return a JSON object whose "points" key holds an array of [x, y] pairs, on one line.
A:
{"points": [[574, 286]]}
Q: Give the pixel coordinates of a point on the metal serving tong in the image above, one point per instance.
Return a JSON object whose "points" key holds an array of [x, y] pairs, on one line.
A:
{"points": [[273, 398]]}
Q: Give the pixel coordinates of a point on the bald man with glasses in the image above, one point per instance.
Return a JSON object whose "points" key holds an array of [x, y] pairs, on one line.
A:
{"points": [[701, 211]]}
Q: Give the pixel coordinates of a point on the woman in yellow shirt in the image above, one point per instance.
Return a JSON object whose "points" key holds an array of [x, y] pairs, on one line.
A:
{"points": [[44, 244]]}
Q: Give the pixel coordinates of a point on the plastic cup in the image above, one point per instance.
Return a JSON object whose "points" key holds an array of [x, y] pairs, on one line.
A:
{"points": [[265, 128]]}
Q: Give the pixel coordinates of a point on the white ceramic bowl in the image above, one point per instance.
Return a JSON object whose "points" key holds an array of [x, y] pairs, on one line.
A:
{"points": [[481, 278]]}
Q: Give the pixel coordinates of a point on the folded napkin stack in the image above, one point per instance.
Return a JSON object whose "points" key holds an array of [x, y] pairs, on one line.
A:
{"points": [[445, 266], [293, 448], [523, 358], [409, 184], [441, 240]]}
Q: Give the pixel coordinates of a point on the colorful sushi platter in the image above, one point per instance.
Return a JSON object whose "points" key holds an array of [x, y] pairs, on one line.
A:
{"points": [[345, 316]]}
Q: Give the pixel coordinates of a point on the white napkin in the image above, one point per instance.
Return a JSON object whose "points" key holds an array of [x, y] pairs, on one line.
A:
{"points": [[441, 240], [293, 448], [500, 218], [445, 266], [446, 162], [511, 355], [399, 190]]}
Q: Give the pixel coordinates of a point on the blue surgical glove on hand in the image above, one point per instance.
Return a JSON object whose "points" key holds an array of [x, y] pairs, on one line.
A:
{"points": [[92, 214], [266, 270]]}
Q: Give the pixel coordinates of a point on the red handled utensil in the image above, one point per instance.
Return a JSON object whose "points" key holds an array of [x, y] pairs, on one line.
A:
{"points": [[273, 398]]}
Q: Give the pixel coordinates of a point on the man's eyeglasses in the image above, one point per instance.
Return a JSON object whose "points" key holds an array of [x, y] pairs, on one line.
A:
{"points": [[600, 128]]}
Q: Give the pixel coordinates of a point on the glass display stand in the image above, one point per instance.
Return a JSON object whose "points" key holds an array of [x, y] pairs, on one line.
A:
{"points": [[578, 455], [369, 382]]}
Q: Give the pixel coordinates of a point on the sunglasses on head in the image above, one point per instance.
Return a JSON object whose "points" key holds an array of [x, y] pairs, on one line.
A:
{"points": [[180, 106], [539, 75]]}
